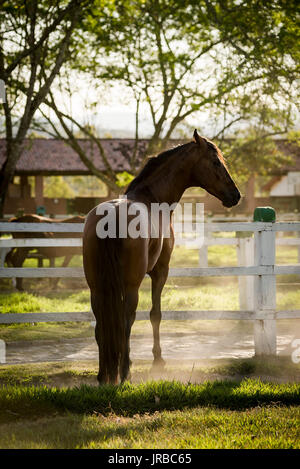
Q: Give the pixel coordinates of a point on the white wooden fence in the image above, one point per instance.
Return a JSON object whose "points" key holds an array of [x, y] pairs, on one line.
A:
{"points": [[257, 305]]}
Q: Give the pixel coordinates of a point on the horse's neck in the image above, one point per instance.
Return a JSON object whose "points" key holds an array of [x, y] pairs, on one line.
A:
{"points": [[166, 185], [169, 187]]}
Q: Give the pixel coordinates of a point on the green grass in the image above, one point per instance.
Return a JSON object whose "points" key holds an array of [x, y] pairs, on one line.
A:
{"points": [[178, 294], [58, 405], [215, 404], [226, 256], [129, 399], [58, 301], [161, 414], [46, 331], [204, 428], [185, 293]]}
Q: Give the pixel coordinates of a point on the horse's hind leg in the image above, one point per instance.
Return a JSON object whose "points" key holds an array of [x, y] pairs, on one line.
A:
{"points": [[102, 375], [159, 276], [8, 258], [9, 262], [131, 301], [54, 281], [17, 259]]}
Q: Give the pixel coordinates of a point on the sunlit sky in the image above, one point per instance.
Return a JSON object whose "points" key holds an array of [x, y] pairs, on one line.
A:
{"points": [[111, 110], [121, 119], [114, 113]]}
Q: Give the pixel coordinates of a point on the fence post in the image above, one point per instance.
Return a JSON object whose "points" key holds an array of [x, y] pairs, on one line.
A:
{"points": [[2, 351], [3, 253], [203, 250], [245, 255], [265, 285]]}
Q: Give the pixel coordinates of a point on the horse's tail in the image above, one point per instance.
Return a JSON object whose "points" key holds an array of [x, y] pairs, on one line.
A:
{"points": [[108, 308]]}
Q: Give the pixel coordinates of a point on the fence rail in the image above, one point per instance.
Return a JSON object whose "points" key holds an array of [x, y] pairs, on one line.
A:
{"points": [[77, 242], [87, 316], [258, 275], [77, 272], [11, 227]]}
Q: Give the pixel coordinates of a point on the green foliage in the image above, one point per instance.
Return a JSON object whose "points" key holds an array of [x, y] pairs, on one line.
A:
{"points": [[266, 34], [294, 137], [86, 186], [253, 154], [237, 61], [56, 187], [124, 178]]}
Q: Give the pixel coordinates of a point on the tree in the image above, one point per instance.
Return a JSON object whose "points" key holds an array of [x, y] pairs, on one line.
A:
{"points": [[37, 37], [264, 33], [82, 67], [181, 59], [184, 57], [250, 148]]}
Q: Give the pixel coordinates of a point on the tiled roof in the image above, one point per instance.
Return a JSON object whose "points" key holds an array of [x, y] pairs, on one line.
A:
{"points": [[51, 156]]}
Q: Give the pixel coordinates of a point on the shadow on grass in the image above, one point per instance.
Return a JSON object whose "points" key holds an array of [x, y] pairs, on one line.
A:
{"points": [[71, 431], [129, 399]]}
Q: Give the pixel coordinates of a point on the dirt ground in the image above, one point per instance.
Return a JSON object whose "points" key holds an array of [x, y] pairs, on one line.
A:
{"points": [[175, 346], [191, 357]]}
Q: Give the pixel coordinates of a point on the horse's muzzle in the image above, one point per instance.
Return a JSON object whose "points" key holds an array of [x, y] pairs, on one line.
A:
{"points": [[232, 199]]}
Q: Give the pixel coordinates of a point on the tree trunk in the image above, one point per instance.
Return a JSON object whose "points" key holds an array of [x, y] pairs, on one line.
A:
{"points": [[13, 153]]}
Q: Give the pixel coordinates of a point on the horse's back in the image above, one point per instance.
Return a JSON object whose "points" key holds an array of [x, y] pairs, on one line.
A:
{"points": [[50, 252], [132, 253]]}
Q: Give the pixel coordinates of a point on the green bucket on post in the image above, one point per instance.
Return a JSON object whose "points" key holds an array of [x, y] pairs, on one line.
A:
{"points": [[41, 210], [265, 214]]}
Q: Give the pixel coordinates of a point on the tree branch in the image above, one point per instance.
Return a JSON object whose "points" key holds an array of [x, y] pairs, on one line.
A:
{"points": [[47, 31]]}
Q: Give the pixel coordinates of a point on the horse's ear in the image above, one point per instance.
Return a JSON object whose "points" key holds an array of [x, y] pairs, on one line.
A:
{"points": [[198, 139], [196, 136]]}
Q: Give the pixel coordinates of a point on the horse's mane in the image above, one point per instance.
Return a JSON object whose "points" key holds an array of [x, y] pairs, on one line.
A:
{"points": [[154, 163], [159, 161], [216, 150]]}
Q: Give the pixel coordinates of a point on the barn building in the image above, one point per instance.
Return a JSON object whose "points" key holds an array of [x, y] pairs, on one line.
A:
{"points": [[49, 157]]}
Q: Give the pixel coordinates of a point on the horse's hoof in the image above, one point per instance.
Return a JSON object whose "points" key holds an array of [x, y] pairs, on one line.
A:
{"points": [[126, 380], [102, 379], [158, 363]]}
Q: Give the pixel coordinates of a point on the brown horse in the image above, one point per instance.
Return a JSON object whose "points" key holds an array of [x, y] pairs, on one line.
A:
{"points": [[17, 256], [115, 266]]}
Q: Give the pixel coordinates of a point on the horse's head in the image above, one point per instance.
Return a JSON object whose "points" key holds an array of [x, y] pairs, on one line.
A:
{"points": [[210, 172]]}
